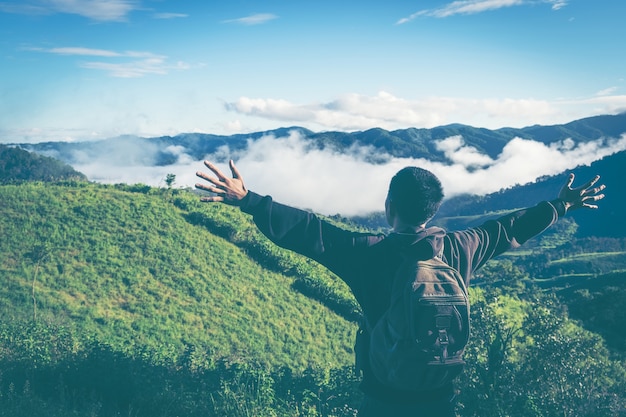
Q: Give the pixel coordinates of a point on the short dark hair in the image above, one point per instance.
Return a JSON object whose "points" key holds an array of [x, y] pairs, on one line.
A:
{"points": [[416, 194]]}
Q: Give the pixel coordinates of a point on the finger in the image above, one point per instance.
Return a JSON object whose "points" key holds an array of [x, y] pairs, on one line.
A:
{"points": [[209, 188], [212, 199], [570, 180], [590, 183], [593, 198], [234, 170], [201, 186], [597, 189], [205, 187], [215, 170], [590, 205], [202, 175], [212, 180], [206, 177]]}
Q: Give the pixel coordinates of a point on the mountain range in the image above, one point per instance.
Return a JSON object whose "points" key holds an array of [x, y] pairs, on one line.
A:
{"points": [[457, 212], [413, 142]]}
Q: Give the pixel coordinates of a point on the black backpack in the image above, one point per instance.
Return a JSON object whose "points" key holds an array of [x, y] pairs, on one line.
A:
{"points": [[418, 343]]}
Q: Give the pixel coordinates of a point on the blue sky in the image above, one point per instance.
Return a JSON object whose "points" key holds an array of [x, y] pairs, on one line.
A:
{"points": [[87, 69]]}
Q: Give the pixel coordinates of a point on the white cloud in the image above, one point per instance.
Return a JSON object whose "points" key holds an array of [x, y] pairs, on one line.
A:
{"points": [[99, 10], [457, 152], [271, 109], [360, 112], [476, 6], [96, 9], [330, 182], [131, 69], [255, 19], [557, 4], [170, 15], [348, 112], [77, 50], [607, 91], [138, 63], [601, 104]]}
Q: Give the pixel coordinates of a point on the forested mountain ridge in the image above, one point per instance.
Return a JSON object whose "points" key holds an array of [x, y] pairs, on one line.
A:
{"points": [[412, 142], [19, 165]]}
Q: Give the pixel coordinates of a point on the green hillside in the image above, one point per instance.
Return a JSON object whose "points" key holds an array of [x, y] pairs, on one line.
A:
{"points": [[146, 269]]}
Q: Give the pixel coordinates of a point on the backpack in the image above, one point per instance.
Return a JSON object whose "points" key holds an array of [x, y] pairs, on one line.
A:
{"points": [[418, 343]]}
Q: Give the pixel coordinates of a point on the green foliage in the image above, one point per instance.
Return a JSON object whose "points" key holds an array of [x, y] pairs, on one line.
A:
{"points": [[130, 300], [524, 359], [600, 306], [19, 165], [170, 179], [310, 278], [504, 275], [133, 267], [527, 359], [91, 378]]}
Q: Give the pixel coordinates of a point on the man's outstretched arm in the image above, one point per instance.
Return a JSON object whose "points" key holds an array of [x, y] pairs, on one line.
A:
{"points": [[527, 223], [497, 236]]}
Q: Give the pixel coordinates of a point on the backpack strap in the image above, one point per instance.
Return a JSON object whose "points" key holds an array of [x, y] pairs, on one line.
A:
{"points": [[440, 254]]}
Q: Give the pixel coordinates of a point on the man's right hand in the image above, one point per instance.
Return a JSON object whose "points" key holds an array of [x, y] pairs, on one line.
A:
{"points": [[583, 196]]}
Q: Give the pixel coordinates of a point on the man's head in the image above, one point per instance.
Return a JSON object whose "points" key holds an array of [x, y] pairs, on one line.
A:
{"points": [[414, 196]]}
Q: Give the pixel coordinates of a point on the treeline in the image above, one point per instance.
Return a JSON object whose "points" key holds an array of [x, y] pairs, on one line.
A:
{"points": [[18, 165], [47, 369], [524, 359]]}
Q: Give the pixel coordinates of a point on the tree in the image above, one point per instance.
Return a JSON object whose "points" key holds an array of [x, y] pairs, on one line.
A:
{"points": [[527, 358], [170, 179], [39, 253]]}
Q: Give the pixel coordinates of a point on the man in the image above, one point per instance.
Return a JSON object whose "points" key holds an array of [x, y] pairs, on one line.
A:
{"points": [[367, 262]]}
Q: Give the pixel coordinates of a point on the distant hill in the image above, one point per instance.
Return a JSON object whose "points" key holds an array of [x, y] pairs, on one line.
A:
{"points": [[463, 211], [413, 142], [19, 165]]}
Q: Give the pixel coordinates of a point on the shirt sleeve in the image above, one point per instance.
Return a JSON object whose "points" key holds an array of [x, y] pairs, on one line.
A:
{"points": [[301, 231], [470, 249]]}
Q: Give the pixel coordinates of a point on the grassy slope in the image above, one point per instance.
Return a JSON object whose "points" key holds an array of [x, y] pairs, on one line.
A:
{"points": [[129, 269]]}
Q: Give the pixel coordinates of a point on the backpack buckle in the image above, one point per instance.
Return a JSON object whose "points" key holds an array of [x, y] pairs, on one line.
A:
{"points": [[443, 344]]}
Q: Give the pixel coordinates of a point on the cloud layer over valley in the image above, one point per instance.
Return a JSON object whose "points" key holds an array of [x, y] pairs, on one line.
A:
{"points": [[328, 181]]}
